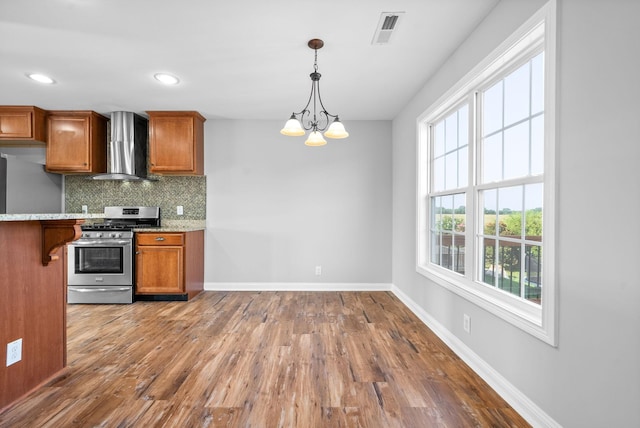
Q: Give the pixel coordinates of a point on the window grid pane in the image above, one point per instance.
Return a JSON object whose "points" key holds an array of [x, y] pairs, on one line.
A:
{"points": [[533, 273], [517, 97], [447, 232], [516, 151]]}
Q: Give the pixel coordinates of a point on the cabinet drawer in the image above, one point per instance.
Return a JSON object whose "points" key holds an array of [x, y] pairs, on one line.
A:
{"points": [[160, 238]]}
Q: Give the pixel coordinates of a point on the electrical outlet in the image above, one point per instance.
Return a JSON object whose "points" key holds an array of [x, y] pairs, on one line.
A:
{"points": [[180, 210], [318, 270], [466, 323], [14, 352], [85, 209]]}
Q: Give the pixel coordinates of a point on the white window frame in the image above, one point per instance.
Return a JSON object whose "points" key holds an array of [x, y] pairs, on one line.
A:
{"points": [[539, 320]]}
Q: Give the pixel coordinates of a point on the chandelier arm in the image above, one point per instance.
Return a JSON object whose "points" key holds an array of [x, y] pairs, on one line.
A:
{"points": [[324, 110], [305, 110], [314, 124], [325, 119]]}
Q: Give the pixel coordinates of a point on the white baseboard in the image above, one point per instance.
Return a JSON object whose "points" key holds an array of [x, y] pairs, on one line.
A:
{"points": [[516, 399], [295, 286]]}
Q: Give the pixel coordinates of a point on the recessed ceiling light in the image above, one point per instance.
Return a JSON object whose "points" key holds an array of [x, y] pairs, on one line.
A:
{"points": [[41, 78], [167, 79]]}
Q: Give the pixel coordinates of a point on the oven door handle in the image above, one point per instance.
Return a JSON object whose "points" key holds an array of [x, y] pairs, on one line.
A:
{"points": [[96, 243], [98, 290]]}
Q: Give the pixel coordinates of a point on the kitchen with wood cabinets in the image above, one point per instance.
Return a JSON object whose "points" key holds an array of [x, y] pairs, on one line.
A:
{"points": [[34, 267]]}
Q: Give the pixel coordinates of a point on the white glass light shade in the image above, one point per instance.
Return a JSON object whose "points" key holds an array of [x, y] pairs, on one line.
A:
{"points": [[315, 139], [292, 128], [336, 130]]}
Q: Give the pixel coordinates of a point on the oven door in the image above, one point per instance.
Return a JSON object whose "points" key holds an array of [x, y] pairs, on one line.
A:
{"points": [[100, 262]]}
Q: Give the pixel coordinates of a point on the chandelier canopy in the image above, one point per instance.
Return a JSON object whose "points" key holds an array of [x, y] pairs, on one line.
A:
{"points": [[316, 121]]}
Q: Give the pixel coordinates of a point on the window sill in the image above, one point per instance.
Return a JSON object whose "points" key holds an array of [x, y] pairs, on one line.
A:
{"points": [[526, 316]]}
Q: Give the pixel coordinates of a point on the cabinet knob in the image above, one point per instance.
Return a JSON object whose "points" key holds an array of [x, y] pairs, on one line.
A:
{"points": [[159, 238]]}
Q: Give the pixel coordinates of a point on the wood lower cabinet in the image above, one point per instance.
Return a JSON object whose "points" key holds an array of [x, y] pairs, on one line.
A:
{"points": [[169, 266], [76, 142], [176, 142], [22, 125]]}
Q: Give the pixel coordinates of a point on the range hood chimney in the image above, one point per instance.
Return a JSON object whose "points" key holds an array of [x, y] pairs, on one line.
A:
{"points": [[127, 148]]}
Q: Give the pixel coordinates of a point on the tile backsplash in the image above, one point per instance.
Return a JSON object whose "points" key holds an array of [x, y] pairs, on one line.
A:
{"points": [[167, 192]]}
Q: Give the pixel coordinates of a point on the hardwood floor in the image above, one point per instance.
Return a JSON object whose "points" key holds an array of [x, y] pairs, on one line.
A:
{"points": [[260, 359]]}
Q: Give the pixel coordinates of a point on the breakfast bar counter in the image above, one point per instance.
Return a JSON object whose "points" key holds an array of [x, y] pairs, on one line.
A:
{"points": [[33, 304]]}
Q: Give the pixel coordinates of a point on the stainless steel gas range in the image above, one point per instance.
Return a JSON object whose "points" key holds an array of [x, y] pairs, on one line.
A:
{"points": [[100, 264]]}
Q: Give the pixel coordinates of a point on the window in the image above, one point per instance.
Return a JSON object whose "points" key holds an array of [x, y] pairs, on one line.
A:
{"points": [[485, 184], [450, 154]]}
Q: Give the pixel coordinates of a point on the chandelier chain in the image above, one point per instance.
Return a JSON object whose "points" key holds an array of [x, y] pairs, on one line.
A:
{"points": [[315, 61]]}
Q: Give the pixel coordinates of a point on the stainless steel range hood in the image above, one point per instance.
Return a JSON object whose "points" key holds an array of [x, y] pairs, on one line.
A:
{"points": [[127, 148]]}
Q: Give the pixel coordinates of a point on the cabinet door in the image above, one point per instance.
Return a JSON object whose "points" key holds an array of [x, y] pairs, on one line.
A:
{"points": [[68, 145], [22, 126], [77, 142], [176, 143], [159, 269], [16, 124], [172, 144]]}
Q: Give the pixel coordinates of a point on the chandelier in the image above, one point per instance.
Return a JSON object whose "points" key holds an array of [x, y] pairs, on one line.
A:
{"points": [[316, 121]]}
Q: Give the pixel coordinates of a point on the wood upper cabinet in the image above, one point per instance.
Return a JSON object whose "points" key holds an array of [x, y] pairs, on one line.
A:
{"points": [[77, 142], [22, 124], [170, 263], [176, 142]]}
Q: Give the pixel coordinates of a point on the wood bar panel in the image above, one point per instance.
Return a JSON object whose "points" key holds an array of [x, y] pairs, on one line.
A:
{"points": [[32, 304]]}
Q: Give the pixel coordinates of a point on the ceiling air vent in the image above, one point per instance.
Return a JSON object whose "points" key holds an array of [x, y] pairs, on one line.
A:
{"points": [[387, 25]]}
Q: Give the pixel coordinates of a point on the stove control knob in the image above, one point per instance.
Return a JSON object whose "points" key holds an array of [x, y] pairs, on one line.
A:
{"points": [[99, 235], [85, 235], [115, 235]]}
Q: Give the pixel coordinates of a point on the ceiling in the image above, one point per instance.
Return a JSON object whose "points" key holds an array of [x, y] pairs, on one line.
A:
{"points": [[242, 59]]}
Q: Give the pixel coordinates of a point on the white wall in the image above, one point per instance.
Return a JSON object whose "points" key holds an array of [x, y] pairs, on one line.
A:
{"points": [[276, 208], [592, 379]]}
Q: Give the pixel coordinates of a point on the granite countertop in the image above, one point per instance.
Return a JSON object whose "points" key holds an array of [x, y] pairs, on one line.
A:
{"points": [[29, 217], [167, 225], [167, 229], [176, 226]]}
